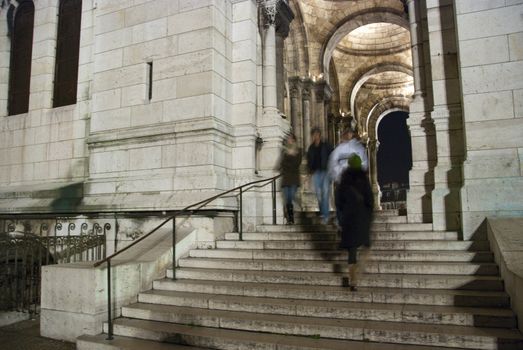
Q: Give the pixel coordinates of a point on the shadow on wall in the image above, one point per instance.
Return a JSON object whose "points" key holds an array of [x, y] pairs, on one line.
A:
{"points": [[456, 132], [68, 198]]}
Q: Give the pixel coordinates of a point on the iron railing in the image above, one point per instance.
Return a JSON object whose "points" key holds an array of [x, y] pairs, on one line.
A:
{"points": [[22, 256], [188, 211]]}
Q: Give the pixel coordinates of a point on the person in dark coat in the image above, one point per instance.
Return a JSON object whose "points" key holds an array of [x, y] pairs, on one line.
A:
{"points": [[289, 167], [317, 161], [355, 201]]}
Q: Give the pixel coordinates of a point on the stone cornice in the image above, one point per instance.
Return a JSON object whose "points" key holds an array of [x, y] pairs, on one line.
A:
{"points": [[158, 132]]}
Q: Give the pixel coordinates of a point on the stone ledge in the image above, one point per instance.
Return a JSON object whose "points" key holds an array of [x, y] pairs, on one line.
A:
{"points": [[506, 241]]}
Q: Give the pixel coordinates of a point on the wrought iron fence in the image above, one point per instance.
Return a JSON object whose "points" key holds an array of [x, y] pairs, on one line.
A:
{"points": [[22, 256]]}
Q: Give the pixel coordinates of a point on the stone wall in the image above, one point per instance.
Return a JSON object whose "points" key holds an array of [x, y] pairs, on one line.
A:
{"points": [[191, 138], [490, 43], [45, 144]]}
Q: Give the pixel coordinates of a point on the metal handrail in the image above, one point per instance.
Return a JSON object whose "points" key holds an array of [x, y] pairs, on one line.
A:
{"points": [[188, 210]]}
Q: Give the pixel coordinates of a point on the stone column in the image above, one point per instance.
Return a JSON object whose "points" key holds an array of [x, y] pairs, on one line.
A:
{"points": [[421, 177], [373, 169], [322, 95], [44, 52], [296, 121], [447, 116], [269, 68], [280, 76], [306, 101], [5, 49], [271, 126]]}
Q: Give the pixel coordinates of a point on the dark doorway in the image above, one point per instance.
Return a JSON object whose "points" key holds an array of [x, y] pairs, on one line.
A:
{"points": [[394, 156]]}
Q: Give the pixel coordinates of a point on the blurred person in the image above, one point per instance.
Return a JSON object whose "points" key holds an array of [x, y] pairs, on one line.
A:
{"points": [[355, 201], [338, 160], [317, 162], [289, 167]]}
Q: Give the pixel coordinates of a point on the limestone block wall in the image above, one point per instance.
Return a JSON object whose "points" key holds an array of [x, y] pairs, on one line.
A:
{"points": [[46, 144], [168, 98], [490, 43], [171, 131]]}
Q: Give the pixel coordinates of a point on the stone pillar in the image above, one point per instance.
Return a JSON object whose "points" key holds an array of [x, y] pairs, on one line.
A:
{"points": [[269, 70], [421, 177], [306, 101], [296, 121], [44, 52], [280, 76], [447, 116], [373, 170], [271, 126], [322, 95], [5, 49]]}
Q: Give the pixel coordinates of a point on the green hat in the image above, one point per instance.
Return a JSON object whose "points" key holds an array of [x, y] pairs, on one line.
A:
{"points": [[354, 162]]}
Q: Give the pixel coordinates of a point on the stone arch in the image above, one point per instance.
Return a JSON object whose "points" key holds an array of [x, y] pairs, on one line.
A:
{"points": [[366, 74], [381, 109], [353, 21]]}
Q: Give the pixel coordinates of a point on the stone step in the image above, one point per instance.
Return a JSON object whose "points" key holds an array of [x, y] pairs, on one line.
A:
{"points": [[376, 245], [377, 213], [490, 283], [479, 317], [327, 228], [331, 293], [100, 342], [370, 267], [316, 220], [373, 331], [341, 255], [227, 339], [329, 236]]}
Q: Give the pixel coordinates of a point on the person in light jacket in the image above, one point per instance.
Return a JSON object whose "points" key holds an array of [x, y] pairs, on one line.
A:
{"points": [[338, 160]]}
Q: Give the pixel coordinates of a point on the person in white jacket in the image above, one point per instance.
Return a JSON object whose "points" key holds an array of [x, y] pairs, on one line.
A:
{"points": [[338, 160]]}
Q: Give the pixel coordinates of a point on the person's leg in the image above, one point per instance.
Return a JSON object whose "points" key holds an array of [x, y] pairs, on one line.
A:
{"points": [[290, 206], [325, 196], [353, 268], [292, 193], [285, 193], [338, 210], [316, 181]]}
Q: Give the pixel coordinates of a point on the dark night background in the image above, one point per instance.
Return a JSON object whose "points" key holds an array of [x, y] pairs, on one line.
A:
{"points": [[394, 153]]}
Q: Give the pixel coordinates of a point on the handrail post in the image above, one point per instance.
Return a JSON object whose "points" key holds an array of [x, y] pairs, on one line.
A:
{"points": [[174, 248], [273, 188], [240, 220], [109, 317]]}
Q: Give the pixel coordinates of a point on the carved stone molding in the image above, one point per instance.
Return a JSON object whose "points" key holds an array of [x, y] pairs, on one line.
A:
{"points": [[278, 13]]}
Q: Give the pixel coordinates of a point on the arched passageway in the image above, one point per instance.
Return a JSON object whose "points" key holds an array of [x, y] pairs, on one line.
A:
{"points": [[394, 159]]}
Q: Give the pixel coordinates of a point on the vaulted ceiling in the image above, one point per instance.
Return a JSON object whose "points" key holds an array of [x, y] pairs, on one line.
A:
{"points": [[360, 47]]}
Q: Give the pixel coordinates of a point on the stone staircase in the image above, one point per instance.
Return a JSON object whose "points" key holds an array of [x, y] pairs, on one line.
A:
{"points": [[283, 287]]}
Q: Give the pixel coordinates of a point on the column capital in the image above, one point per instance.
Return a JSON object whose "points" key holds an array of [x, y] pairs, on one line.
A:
{"points": [[306, 93], [323, 91], [294, 91], [277, 13]]}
